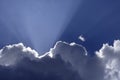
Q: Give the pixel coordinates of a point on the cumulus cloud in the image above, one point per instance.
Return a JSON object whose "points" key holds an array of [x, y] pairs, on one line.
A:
{"points": [[11, 54], [75, 54], [63, 62], [18, 62], [110, 56]]}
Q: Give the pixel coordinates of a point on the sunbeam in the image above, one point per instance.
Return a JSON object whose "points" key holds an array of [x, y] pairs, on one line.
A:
{"points": [[39, 22]]}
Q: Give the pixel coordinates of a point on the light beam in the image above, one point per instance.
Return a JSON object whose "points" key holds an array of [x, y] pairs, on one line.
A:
{"points": [[42, 21]]}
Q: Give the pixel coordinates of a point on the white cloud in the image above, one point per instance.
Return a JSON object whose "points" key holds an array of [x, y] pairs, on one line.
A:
{"points": [[63, 62], [110, 56], [76, 55], [11, 54], [28, 65], [81, 38]]}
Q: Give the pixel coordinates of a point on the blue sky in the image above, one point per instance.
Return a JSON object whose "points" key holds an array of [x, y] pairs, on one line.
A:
{"points": [[41, 23], [97, 20], [36, 23]]}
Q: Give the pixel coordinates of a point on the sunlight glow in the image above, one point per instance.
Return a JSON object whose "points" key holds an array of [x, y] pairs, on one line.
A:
{"points": [[40, 21]]}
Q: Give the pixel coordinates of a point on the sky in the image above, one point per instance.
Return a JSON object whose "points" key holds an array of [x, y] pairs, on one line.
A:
{"points": [[97, 20], [39, 22], [35, 22], [59, 39]]}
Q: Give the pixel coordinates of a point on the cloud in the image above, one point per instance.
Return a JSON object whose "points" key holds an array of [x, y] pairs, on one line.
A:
{"points": [[11, 54], [18, 62], [81, 38], [76, 55], [63, 62], [110, 56]]}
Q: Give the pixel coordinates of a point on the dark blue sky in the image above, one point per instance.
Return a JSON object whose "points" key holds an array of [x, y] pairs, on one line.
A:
{"points": [[39, 24], [98, 21]]}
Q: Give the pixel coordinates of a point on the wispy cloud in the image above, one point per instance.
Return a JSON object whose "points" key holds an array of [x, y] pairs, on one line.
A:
{"points": [[81, 38]]}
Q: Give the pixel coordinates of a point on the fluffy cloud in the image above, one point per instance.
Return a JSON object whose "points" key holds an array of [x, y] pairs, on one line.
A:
{"points": [[12, 54], [110, 57], [63, 62], [87, 67], [18, 62]]}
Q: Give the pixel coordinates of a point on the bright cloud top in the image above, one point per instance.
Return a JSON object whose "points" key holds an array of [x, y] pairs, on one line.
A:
{"points": [[63, 62], [110, 55], [11, 54]]}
